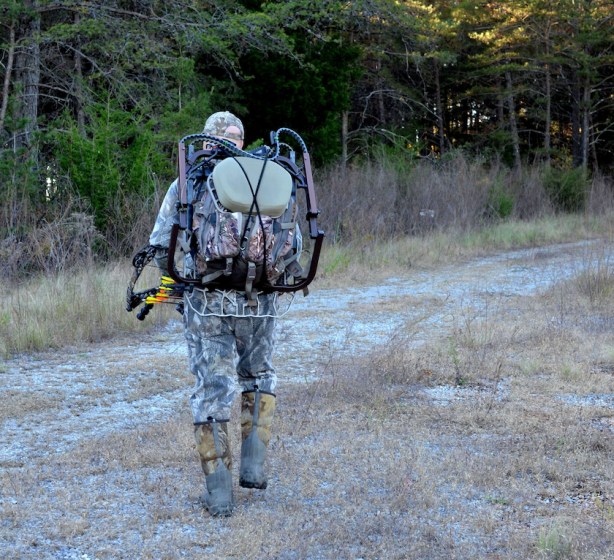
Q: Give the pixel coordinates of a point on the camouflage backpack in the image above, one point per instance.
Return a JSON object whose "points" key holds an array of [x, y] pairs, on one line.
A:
{"points": [[245, 225], [239, 220]]}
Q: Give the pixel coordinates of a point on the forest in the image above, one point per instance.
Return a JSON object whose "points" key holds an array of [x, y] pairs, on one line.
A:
{"points": [[96, 94]]}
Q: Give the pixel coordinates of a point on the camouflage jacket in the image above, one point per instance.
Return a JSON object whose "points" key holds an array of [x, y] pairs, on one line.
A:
{"points": [[167, 216]]}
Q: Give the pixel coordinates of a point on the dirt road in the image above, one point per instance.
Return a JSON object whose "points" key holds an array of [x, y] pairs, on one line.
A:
{"points": [[93, 388]]}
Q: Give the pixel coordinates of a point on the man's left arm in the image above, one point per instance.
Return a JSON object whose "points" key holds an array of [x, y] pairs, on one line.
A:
{"points": [[161, 233]]}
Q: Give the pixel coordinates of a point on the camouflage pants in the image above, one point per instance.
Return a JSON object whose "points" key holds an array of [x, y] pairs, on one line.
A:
{"points": [[226, 350]]}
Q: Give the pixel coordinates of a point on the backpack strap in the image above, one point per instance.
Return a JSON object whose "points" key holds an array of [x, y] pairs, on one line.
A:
{"points": [[249, 285], [222, 272]]}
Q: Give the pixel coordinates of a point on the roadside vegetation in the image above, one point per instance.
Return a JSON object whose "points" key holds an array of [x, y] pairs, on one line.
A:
{"points": [[491, 438], [380, 220]]}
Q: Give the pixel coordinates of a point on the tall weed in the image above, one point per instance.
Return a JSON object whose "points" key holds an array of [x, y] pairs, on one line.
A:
{"points": [[600, 196], [53, 227], [384, 199], [596, 281], [518, 233], [567, 188], [70, 307]]}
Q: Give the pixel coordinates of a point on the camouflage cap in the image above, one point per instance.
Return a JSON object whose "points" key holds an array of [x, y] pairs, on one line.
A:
{"points": [[219, 123]]}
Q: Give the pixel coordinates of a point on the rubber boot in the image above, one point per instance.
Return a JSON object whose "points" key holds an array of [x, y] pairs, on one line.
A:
{"points": [[257, 409], [213, 445]]}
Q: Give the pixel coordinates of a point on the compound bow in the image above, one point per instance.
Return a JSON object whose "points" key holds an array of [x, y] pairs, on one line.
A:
{"points": [[168, 291]]}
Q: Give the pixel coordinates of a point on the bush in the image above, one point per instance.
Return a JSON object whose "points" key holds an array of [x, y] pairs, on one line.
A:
{"points": [[383, 199], [501, 202], [567, 188]]}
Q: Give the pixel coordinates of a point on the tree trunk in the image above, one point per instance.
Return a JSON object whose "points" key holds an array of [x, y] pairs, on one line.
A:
{"points": [[439, 108], [27, 76], [381, 104], [576, 132], [512, 119], [78, 87], [500, 104], [7, 76], [380, 85], [344, 138], [586, 109], [548, 120], [548, 95]]}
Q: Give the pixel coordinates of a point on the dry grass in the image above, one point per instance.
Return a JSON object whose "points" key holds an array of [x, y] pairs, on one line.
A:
{"points": [[71, 307], [493, 440], [393, 197], [87, 305], [369, 260]]}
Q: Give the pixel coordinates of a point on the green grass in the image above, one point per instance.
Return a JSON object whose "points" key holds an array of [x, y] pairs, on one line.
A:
{"points": [[551, 229], [553, 543]]}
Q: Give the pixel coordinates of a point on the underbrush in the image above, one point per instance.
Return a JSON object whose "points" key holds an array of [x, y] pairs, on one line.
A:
{"points": [[370, 260]]}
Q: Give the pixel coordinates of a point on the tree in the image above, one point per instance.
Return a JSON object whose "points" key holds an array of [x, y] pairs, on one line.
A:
{"points": [[500, 27], [23, 72], [137, 60], [589, 59]]}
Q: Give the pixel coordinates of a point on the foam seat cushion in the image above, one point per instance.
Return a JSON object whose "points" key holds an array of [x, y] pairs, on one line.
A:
{"points": [[236, 179]]}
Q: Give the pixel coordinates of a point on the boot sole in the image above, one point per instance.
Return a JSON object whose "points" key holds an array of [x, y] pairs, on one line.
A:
{"points": [[249, 484], [225, 512]]}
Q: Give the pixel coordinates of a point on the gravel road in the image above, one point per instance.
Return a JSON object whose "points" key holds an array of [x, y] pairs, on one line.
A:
{"points": [[336, 321], [61, 398]]}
